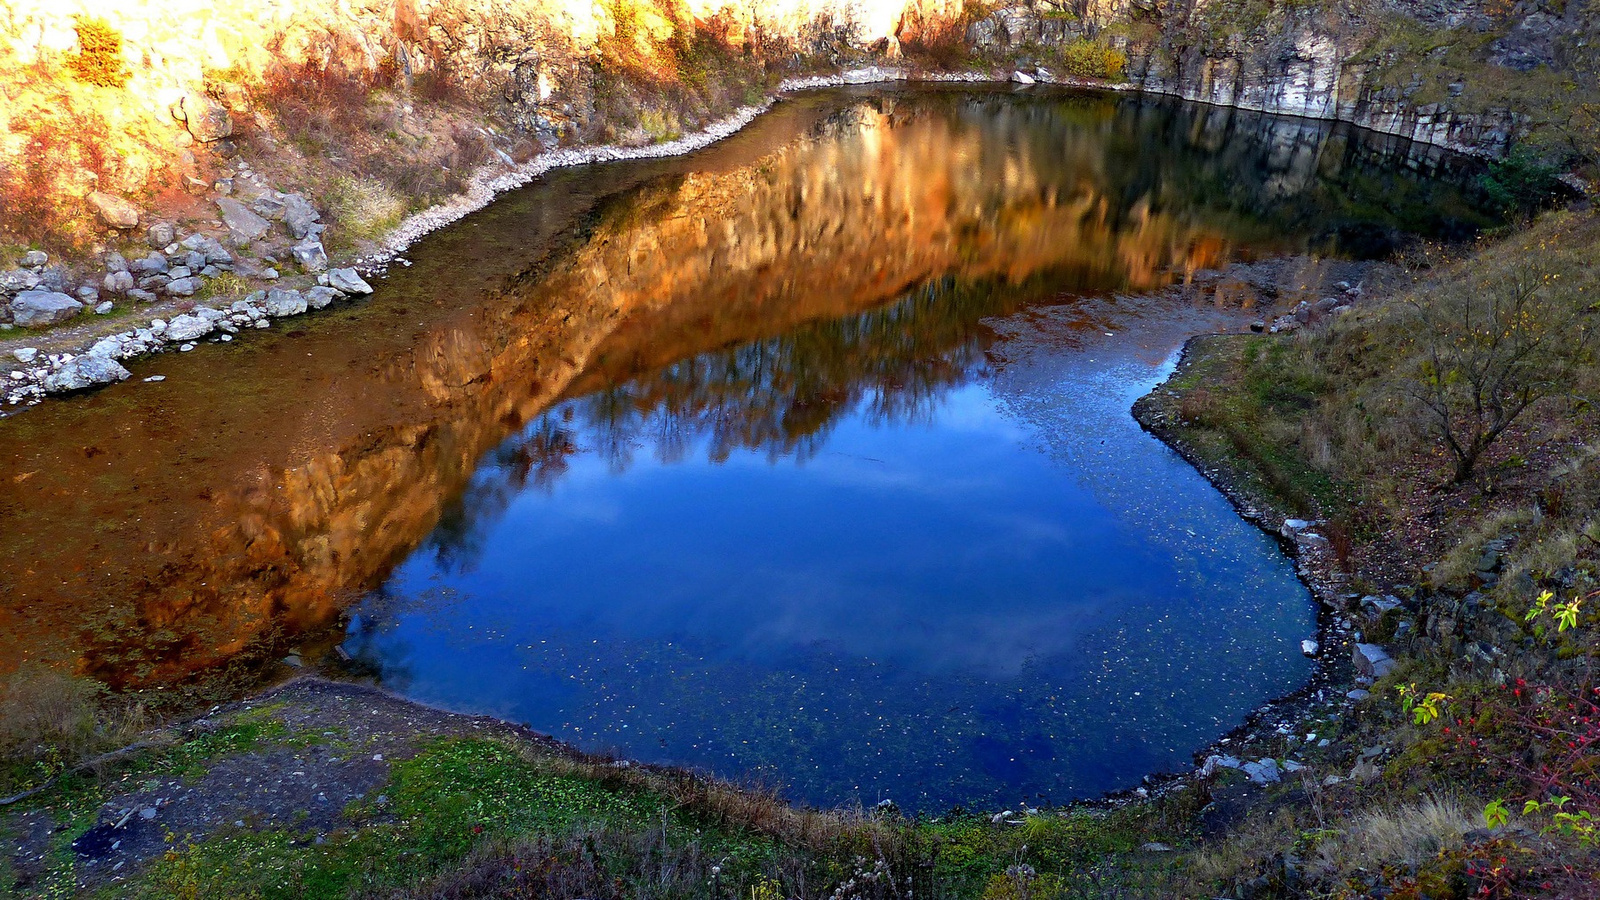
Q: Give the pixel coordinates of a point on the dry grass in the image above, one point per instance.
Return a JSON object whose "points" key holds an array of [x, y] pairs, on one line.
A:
{"points": [[50, 721], [1401, 836]]}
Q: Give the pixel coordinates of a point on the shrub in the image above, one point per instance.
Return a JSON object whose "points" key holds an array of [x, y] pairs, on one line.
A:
{"points": [[1521, 183], [1085, 58], [99, 58]]}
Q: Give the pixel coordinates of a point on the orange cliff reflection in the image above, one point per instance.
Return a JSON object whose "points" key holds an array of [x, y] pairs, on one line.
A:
{"points": [[150, 531]]}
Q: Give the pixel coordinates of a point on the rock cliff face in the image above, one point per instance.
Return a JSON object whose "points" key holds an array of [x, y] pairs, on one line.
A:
{"points": [[1460, 75]]}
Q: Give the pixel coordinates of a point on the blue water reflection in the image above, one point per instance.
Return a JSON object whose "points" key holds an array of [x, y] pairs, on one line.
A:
{"points": [[1004, 590]]}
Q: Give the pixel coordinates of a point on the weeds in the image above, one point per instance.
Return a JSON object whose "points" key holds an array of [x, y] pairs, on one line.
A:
{"points": [[50, 721], [99, 58]]}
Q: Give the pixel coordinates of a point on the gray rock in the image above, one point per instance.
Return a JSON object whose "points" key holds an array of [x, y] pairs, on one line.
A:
{"points": [[1358, 694], [310, 256], [1372, 661], [179, 272], [348, 281], [141, 296], [205, 118], [35, 259], [211, 250], [160, 234], [281, 302], [154, 264], [84, 372], [243, 224], [153, 283], [1310, 648], [320, 296], [300, 216], [113, 210], [25, 354], [1023, 78], [108, 347], [88, 296], [187, 328], [115, 262], [185, 287], [1263, 771], [32, 309], [194, 260], [271, 207], [104, 307], [1216, 761]]}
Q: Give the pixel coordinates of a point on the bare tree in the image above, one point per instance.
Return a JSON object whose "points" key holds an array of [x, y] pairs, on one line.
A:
{"points": [[1489, 356]]}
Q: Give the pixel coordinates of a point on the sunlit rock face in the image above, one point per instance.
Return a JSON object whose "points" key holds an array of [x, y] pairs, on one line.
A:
{"points": [[151, 531]]}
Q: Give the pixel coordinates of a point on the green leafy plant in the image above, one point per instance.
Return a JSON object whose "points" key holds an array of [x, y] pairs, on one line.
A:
{"points": [[1495, 814]]}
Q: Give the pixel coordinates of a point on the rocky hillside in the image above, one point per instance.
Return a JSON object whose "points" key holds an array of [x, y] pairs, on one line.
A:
{"points": [[157, 156]]}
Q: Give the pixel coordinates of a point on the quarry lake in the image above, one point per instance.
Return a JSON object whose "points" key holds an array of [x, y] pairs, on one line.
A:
{"points": [[806, 458]]}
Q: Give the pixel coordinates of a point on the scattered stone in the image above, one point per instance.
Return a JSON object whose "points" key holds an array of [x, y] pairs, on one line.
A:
{"points": [[185, 348], [348, 281], [320, 296], [1364, 770], [270, 207], [104, 307], [161, 234], [1358, 694], [301, 217], [25, 354], [310, 255], [35, 259], [88, 296], [141, 296], [1310, 648], [118, 282], [206, 119], [1023, 78], [1263, 771], [155, 378], [1155, 847], [108, 347], [153, 264], [32, 309], [84, 372], [281, 302], [1372, 661], [243, 224], [114, 211], [115, 262], [185, 286], [1216, 761], [187, 328]]}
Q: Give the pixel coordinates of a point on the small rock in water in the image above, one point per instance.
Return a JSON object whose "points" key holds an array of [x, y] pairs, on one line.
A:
{"points": [[85, 371], [155, 378], [185, 348], [349, 281], [1310, 648]]}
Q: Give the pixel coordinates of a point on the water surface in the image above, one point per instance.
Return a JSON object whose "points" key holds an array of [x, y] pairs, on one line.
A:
{"points": [[805, 457]]}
